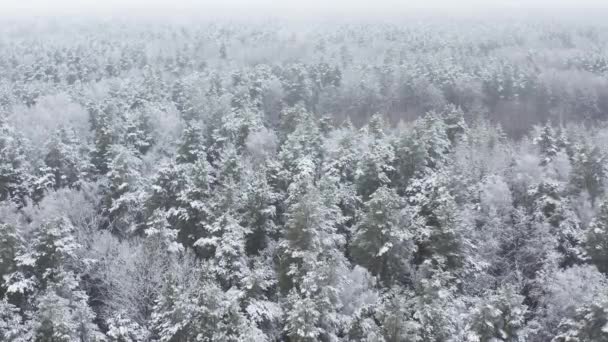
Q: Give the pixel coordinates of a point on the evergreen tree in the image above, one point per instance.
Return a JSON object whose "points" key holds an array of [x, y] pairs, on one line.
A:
{"points": [[438, 231], [138, 131], [597, 239], [10, 241], [122, 329], [303, 319], [12, 327], [564, 224], [588, 172], [381, 241], [14, 168], [310, 234], [65, 160], [433, 130], [304, 142], [297, 85], [526, 246], [167, 184], [63, 315], [104, 137], [184, 192], [428, 313], [46, 282], [191, 146], [192, 306], [51, 252], [500, 316], [258, 210], [374, 167], [456, 126], [311, 261], [548, 143], [226, 246], [343, 153], [424, 150], [341, 164], [122, 201], [589, 324]]}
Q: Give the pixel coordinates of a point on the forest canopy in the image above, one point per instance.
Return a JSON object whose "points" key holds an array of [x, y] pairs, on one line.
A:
{"points": [[440, 180]]}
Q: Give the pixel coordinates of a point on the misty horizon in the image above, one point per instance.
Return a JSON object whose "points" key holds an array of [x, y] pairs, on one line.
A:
{"points": [[293, 9]]}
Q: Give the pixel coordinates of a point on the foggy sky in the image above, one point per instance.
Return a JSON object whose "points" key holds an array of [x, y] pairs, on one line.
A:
{"points": [[276, 7]]}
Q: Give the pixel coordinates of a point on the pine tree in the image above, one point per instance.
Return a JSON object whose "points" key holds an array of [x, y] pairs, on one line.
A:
{"points": [[433, 130], [226, 245], [232, 126], [311, 260], [438, 232], [63, 315], [183, 194], [310, 234], [597, 239], [303, 319], [52, 251], [191, 146], [12, 326], [359, 298], [305, 141], [375, 165], [104, 137], [122, 329], [589, 324], [342, 153], [181, 98], [429, 312], [564, 224], [192, 306], [381, 241], [138, 131], [14, 167], [261, 292], [588, 172], [46, 282], [456, 126], [500, 316], [410, 160], [166, 186], [341, 164], [424, 150], [526, 246], [258, 209], [65, 160], [297, 85], [159, 229], [122, 201], [547, 142], [10, 241], [394, 316]]}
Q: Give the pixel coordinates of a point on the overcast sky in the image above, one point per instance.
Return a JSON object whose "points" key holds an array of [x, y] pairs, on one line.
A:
{"points": [[276, 7]]}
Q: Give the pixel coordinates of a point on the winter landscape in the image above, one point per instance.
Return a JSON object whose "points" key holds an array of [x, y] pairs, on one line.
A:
{"points": [[430, 177]]}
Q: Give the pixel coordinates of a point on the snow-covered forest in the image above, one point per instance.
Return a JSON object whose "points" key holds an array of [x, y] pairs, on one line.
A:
{"points": [[431, 180]]}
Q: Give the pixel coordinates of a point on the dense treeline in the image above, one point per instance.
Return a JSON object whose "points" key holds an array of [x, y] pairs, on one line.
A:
{"points": [[414, 182], [517, 73]]}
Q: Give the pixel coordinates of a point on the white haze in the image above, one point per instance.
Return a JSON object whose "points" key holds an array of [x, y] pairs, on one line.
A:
{"points": [[289, 8]]}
